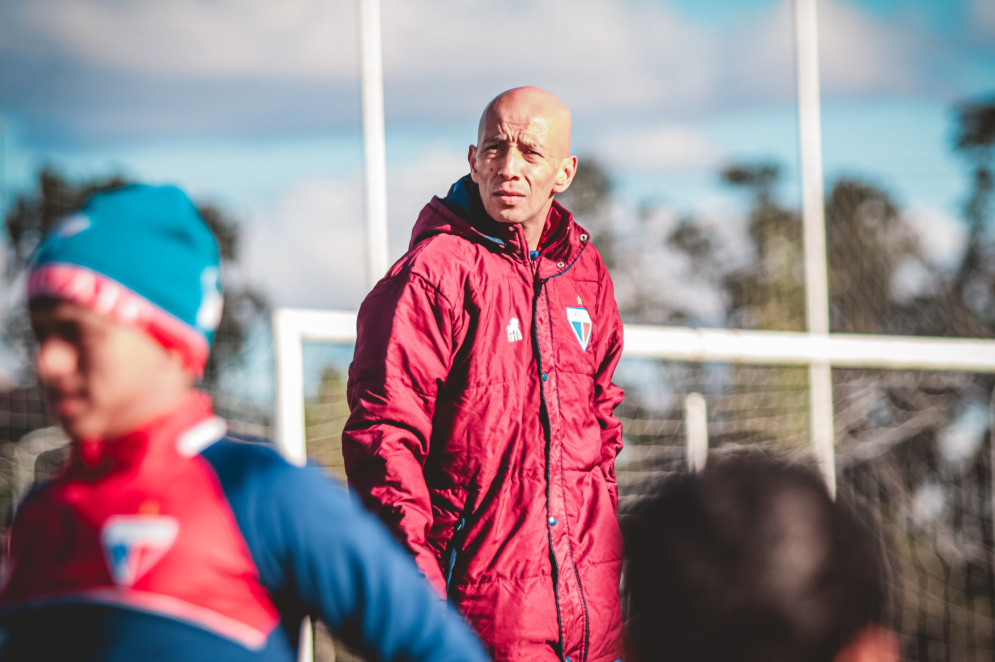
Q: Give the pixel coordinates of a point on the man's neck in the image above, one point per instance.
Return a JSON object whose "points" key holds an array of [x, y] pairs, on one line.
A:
{"points": [[535, 228], [532, 235]]}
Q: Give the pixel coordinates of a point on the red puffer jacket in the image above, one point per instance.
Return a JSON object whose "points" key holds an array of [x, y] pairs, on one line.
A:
{"points": [[482, 428]]}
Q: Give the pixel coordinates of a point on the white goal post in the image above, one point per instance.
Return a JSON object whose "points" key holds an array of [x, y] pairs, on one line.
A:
{"points": [[293, 326]]}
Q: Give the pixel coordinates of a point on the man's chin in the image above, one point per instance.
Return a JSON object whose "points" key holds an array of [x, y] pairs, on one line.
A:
{"points": [[506, 216], [79, 427]]}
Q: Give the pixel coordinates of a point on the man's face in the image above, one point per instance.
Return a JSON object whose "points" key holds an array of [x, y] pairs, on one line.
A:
{"points": [[102, 379], [520, 161]]}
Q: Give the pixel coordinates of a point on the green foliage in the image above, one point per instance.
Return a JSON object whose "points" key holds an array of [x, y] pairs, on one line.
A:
{"points": [[33, 214], [325, 418], [975, 141], [892, 428], [589, 199], [976, 127]]}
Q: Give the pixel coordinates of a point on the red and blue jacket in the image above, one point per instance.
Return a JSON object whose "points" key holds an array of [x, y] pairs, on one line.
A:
{"points": [[177, 543]]}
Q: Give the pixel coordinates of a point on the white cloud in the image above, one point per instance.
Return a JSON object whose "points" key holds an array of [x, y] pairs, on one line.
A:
{"points": [[412, 184], [941, 236], [910, 279], [612, 62], [758, 59], [595, 54], [981, 15], [309, 248], [193, 38], [660, 147], [660, 277], [309, 251], [860, 54]]}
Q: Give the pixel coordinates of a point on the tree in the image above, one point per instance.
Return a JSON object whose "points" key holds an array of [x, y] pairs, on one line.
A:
{"points": [[590, 199], [892, 427], [767, 293], [34, 213], [975, 141]]}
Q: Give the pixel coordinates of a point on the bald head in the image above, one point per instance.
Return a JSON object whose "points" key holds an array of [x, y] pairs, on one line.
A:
{"points": [[523, 105], [522, 158]]}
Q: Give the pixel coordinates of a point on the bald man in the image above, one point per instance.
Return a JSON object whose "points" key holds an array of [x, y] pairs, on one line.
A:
{"points": [[482, 427]]}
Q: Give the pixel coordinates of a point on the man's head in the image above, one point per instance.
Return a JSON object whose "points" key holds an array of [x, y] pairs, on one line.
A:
{"points": [[124, 299], [752, 560], [522, 156]]}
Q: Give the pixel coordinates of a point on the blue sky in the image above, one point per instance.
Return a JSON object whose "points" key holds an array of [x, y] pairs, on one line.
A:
{"points": [[255, 105]]}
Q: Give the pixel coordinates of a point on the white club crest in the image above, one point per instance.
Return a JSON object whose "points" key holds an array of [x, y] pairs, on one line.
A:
{"points": [[580, 324], [133, 544]]}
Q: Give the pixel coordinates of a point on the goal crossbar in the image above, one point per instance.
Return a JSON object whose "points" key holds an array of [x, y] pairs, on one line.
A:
{"points": [[294, 326]]}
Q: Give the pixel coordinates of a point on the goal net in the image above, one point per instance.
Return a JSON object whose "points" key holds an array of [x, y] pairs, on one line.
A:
{"points": [[911, 423]]}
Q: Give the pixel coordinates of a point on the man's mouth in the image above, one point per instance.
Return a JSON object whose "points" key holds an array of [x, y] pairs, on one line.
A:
{"points": [[65, 405], [509, 197]]}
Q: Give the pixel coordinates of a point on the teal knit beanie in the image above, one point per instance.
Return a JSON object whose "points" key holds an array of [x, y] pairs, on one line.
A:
{"points": [[143, 256]]}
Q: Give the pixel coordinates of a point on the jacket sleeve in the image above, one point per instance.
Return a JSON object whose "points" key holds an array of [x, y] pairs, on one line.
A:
{"points": [[403, 354], [320, 553], [607, 394]]}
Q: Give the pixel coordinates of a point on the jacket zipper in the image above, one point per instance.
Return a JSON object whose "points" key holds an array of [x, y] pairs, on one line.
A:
{"points": [[540, 287], [544, 420], [455, 547]]}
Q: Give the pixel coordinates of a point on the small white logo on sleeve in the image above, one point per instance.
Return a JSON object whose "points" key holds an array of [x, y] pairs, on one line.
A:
{"points": [[211, 301], [514, 332], [72, 225]]}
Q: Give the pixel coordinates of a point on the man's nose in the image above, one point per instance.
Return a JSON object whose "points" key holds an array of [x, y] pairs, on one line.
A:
{"points": [[510, 164], [56, 358]]}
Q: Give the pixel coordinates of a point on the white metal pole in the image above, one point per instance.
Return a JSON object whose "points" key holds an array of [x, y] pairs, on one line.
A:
{"points": [[696, 430], [374, 140], [850, 350], [814, 223], [991, 454], [290, 425]]}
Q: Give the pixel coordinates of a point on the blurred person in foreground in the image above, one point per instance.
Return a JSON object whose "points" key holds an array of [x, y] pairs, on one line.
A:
{"points": [[751, 560], [482, 426], [162, 539]]}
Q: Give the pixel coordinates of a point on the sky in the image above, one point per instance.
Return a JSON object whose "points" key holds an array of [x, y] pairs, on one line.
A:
{"points": [[255, 106]]}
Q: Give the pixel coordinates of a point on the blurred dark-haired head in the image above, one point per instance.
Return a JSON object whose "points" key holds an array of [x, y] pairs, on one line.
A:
{"points": [[750, 560]]}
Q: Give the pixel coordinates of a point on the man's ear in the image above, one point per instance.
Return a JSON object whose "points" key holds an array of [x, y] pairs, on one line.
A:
{"points": [[175, 364], [875, 643], [471, 156], [568, 168]]}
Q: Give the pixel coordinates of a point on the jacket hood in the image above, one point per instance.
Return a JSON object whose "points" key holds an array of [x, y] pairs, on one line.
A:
{"points": [[462, 213]]}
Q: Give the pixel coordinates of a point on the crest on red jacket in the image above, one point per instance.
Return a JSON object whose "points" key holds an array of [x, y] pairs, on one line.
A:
{"points": [[580, 324], [134, 544]]}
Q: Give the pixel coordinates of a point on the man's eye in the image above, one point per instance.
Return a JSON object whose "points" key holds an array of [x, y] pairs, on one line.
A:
{"points": [[68, 331]]}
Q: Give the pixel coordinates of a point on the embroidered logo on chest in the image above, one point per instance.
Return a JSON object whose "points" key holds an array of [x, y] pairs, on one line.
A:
{"points": [[580, 324], [133, 544], [513, 330]]}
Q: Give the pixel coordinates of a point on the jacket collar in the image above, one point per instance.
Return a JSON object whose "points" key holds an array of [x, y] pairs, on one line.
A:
{"points": [[181, 433], [461, 212]]}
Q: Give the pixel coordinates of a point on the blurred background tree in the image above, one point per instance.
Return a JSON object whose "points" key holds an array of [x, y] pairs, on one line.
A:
{"points": [[913, 448]]}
